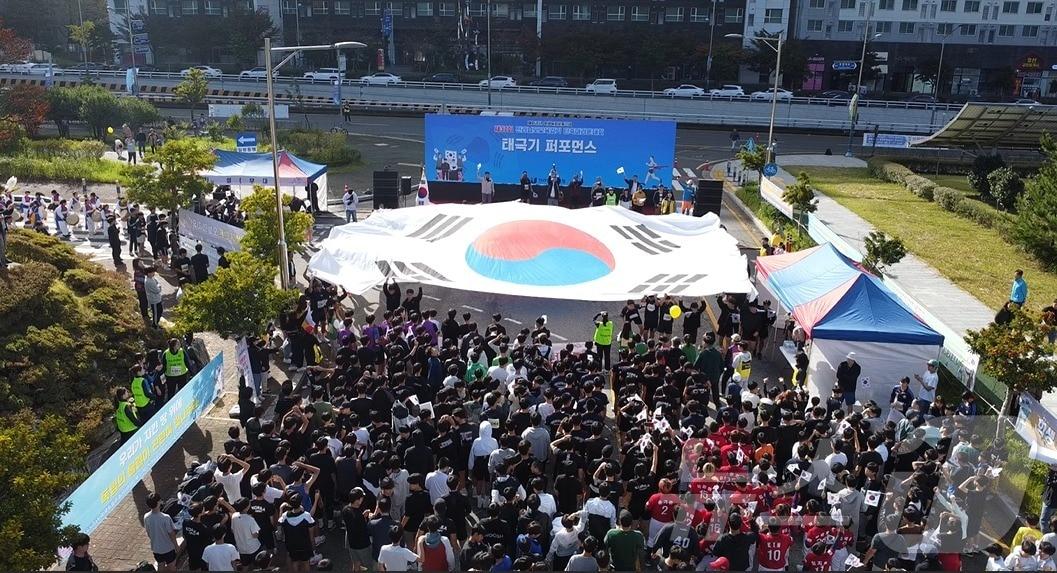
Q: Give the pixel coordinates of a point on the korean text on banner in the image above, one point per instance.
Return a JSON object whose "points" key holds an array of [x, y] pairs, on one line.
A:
{"points": [[210, 231], [1038, 427], [94, 499]]}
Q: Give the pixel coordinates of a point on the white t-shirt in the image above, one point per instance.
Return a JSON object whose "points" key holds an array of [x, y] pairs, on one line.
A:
{"points": [[437, 485], [231, 482], [219, 557], [932, 380], [244, 527], [396, 558]]}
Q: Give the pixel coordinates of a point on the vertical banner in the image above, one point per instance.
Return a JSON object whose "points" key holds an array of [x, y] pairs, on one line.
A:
{"points": [[1038, 427], [97, 496]]}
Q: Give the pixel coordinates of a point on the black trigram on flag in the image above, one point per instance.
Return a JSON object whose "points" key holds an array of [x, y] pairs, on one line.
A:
{"points": [[667, 284], [439, 227], [420, 272], [645, 239]]}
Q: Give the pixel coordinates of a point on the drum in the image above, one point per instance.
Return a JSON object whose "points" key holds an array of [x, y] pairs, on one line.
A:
{"points": [[16, 216], [72, 219], [97, 215]]}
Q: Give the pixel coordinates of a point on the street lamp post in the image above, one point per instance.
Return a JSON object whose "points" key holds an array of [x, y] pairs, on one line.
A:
{"points": [[269, 71], [539, 37], [866, 37], [939, 74], [711, 35], [774, 90], [488, 49]]}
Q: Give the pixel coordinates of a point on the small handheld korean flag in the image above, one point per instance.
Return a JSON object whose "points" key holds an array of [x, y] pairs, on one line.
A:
{"points": [[620, 170], [873, 498]]}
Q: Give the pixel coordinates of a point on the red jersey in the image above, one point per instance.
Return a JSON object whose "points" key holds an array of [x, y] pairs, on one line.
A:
{"points": [[662, 506], [772, 550], [815, 562]]}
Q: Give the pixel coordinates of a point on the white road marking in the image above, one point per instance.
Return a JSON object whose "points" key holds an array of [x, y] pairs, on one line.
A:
{"points": [[410, 164], [559, 337], [675, 172], [473, 308], [513, 321], [430, 297], [689, 172]]}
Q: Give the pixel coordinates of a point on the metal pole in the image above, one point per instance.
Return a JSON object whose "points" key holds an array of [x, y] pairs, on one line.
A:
{"points": [[711, 35], [858, 83], [774, 100], [936, 88], [488, 48], [284, 269], [131, 46], [539, 37], [84, 46]]}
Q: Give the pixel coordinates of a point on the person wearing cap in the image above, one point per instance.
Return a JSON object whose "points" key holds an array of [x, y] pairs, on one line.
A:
{"points": [[848, 379], [929, 380]]}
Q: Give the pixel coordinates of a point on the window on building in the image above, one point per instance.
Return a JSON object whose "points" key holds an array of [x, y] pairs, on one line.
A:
{"points": [[501, 10], [120, 5], [816, 4], [752, 20], [700, 14], [844, 25], [582, 12], [949, 6], [1030, 31], [910, 5], [1005, 29], [422, 9], [886, 5], [556, 12], [244, 5], [906, 27], [478, 10], [968, 29], [847, 4], [640, 14], [883, 27], [673, 14], [372, 8], [189, 7], [527, 10], [772, 16], [814, 25], [289, 7], [971, 6], [615, 13], [1034, 8], [734, 16], [158, 7], [213, 8], [319, 7], [1010, 7]]}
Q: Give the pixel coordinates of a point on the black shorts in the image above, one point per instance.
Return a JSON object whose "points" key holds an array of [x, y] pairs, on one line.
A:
{"points": [[665, 326], [248, 559], [480, 468], [163, 558], [196, 564], [300, 554]]}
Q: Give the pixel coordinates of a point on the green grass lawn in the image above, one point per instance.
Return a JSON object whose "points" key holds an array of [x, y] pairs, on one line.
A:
{"points": [[973, 257], [958, 182]]}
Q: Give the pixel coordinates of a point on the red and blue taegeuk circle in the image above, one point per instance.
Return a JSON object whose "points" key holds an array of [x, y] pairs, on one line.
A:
{"points": [[539, 253]]}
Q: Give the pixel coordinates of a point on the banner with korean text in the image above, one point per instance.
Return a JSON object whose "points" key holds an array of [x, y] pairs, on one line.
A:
{"points": [[462, 148], [94, 499]]}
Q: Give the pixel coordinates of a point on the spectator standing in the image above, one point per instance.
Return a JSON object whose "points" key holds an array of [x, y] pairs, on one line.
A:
{"points": [[79, 559], [1018, 293], [162, 534], [848, 379]]}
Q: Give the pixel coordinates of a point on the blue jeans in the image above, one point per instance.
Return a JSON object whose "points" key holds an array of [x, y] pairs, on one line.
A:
{"points": [[350, 216], [258, 378], [1044, 519]]}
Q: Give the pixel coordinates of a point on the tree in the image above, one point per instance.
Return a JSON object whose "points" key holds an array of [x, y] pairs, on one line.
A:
{"points": [[42, 459], [800, 195], [64, 106], [261, 239], [1006, 187], [99, 109], [27, 105], [754, 159], [254, 116], [13, 48], [1036, 224], [882, 251], [246, 32], [83, 35], [926, 70], [761, 57], [1017, 353], [193, 89], [137, 112], [237, 301], [176, 181], [983, 165]]}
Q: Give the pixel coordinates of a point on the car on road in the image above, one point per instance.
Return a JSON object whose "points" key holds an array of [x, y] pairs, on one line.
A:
{"points": [[329, 74], [835, 94], [602, 86], [208, 71], [91, 69], [498, 82], [258, 73], [550, 82], [443, 78], [727, 90], [685, 90], [42, 70], [921, 98], [1026, 101], [380, 79], [14, 67], [783, 95]]}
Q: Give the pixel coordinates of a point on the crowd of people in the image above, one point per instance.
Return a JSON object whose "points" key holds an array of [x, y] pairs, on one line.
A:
{"points": [[425, 440]]}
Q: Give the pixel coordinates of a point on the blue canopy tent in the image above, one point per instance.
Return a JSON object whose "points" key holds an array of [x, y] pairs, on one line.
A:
{"points": [[843, 308], [244, 170]]}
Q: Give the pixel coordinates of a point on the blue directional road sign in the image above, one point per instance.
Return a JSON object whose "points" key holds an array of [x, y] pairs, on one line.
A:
{"points": [[246, 142], [770, 170]]}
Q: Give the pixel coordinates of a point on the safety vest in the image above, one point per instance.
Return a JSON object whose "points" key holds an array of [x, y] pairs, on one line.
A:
{"points": [[744, 369], [611, 198], [139, 394], [796, 377], [763, 251], [174, 363], [122, 420], [604, 333]]}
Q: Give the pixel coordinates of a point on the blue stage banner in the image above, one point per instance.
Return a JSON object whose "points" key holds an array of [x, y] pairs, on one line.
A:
{"points": [[464, 147], [94, 499]]}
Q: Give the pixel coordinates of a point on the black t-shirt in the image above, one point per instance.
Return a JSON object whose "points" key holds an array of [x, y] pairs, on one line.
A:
{"points": [[416, 509], [200, 264], [356, 536], [75, 563], [735, 547], [677, 535], [297, 532], [569, 489], [197, 536]]}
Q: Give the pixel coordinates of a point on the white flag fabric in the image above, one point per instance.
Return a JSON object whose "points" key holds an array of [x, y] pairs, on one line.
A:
{"points": [[604, 253]]}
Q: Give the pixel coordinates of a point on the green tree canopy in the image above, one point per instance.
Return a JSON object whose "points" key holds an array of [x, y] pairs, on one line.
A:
{"points": [[754, 159], [137, 112], [193, 89], [761, 57], [800, 194], [1017, 353], [1006, 187], [42, 459], [246, 31], [1036, 224], [99, 109], [882, 251], [262, 238], [237, 301], [176, 180]]}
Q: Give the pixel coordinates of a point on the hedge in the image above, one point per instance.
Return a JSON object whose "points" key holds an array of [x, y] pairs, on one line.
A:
{"points": [[888, 170]]}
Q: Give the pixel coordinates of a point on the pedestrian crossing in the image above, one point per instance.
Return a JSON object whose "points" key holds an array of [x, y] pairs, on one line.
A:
{"points": [[677, 177]]}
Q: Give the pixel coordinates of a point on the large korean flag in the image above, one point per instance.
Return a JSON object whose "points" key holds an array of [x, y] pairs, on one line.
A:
{"points": [[598, 254]]}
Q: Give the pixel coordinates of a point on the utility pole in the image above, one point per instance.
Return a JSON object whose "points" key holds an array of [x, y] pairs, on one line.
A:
{"points": [[539, 37], [711, 34]]}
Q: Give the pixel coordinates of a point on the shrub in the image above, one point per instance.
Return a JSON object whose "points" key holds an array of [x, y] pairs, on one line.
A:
{"points": [[1006, 186], [88, 150], [948, 198], [25, 246], [318, 146], [920, 186], [985, 215], [887, 170], [83, 281], [12, 136], [983, 165]]}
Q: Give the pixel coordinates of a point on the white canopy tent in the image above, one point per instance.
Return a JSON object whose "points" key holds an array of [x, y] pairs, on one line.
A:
{"points": [[241, 171]]}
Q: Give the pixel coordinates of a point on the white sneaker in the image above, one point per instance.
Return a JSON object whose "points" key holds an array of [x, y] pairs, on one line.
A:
{"points": [[315, 559], [319, 540]]}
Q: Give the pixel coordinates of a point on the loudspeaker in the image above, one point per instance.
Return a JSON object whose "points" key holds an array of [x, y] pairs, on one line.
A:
{"points": [[405, 186], [386, 188], [709, 198]]}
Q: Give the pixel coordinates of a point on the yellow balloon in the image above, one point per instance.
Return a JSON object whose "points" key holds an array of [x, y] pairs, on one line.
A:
{"points": [[676, 311], [110, 130]]}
